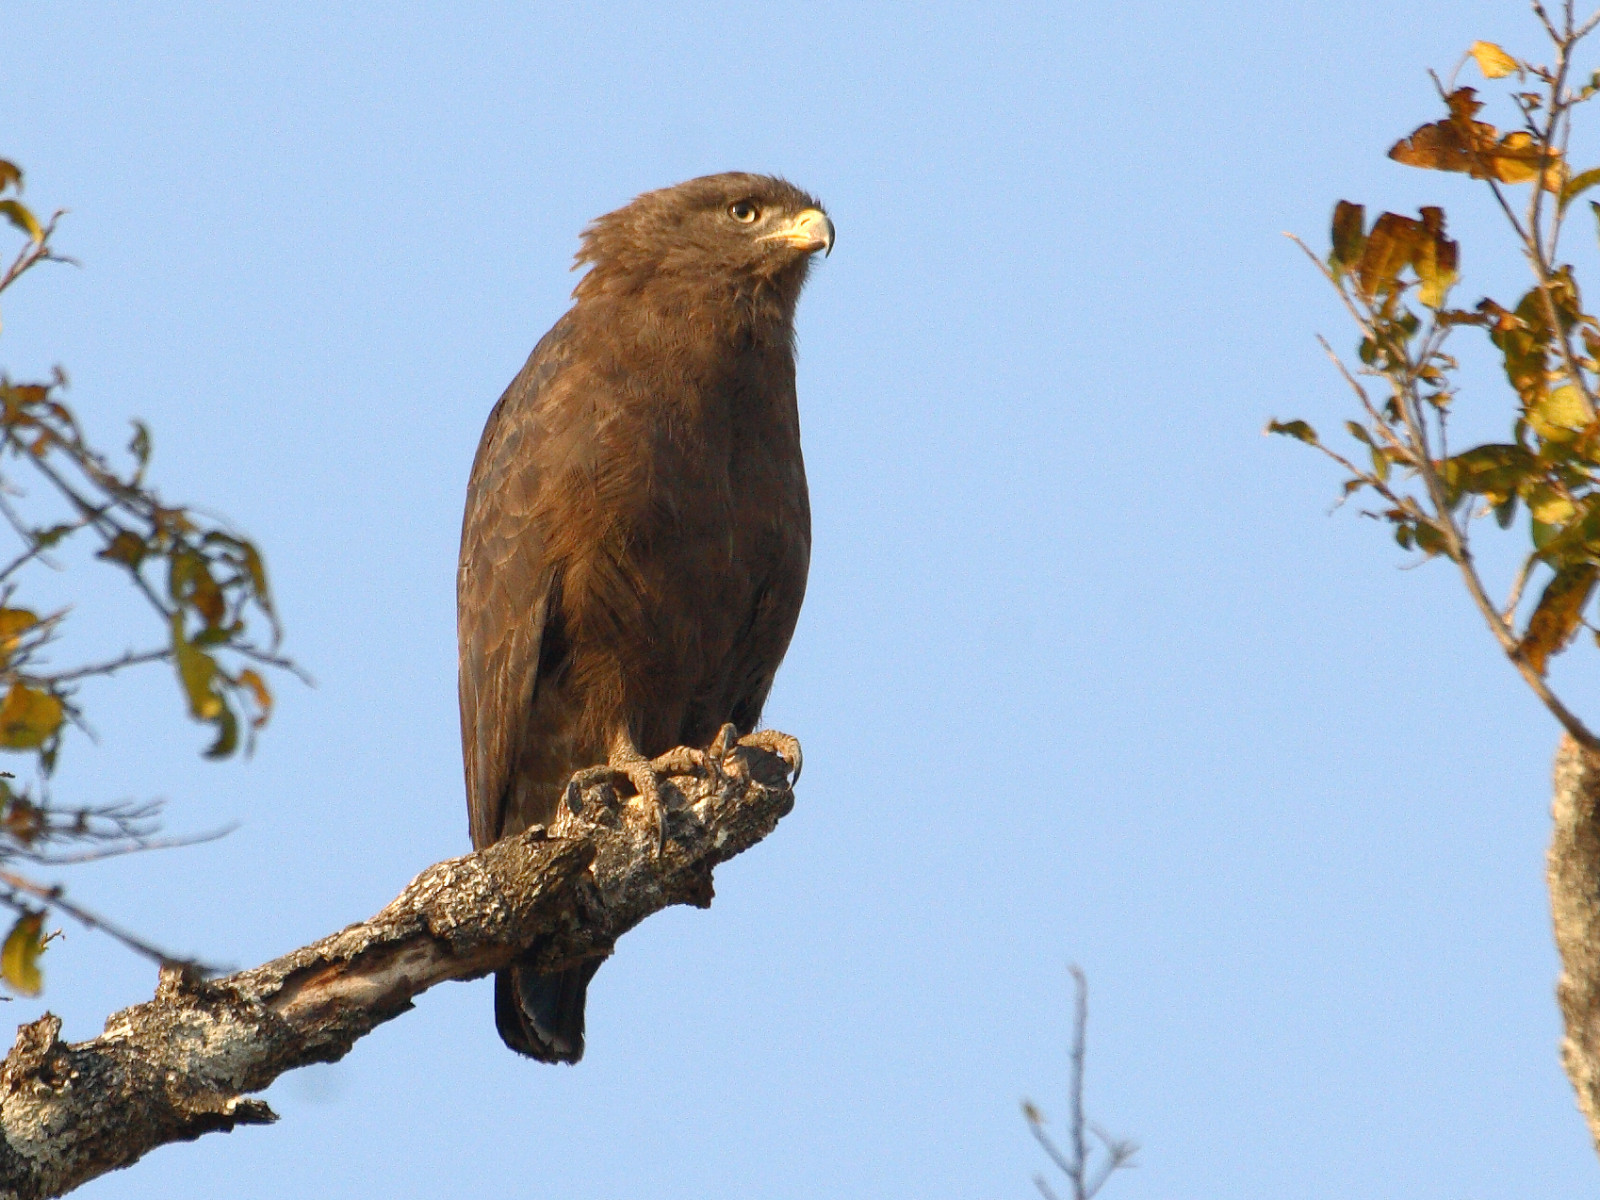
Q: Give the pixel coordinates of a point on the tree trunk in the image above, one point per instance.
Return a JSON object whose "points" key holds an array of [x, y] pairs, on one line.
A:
{"points": [[1574, 875], [182, 1064]]}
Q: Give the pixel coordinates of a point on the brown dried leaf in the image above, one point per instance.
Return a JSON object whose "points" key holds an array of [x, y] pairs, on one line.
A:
{"points": [[250, 679], [1349, 236], [1391, 246], [127, 548], [1558, 615], [1472, 147]]}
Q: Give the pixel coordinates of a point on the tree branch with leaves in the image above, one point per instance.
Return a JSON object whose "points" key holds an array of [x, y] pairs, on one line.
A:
{"points": [[203, 583], [1396, 278]]}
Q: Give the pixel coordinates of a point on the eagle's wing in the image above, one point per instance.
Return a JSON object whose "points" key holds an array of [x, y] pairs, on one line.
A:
{"points": [[503, 589]]}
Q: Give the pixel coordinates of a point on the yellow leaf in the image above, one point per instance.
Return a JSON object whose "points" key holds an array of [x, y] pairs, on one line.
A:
{"points": [[14, 622], [1560, 414], [1550, 507], [1492, 61], [24, 220], [19, 957], [28, 718]]}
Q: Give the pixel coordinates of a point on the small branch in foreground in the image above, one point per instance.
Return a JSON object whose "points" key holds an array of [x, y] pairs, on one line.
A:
{"points": [[183, 1063], [1074, 1163]]}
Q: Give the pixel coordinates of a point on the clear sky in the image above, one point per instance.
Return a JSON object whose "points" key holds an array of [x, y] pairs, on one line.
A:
{"points": [[1086, 671]]}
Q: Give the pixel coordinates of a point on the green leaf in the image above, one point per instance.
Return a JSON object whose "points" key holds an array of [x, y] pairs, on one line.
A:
{"points": [[139, 445], [1429, 540], [1294, 429], [19, 957], [1494, 469], [43, 539], [197, 671], [126, 548], [227, 734]]}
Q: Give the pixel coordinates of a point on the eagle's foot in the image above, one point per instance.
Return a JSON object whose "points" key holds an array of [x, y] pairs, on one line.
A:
{"points": [[783, 745], [710, 763], [626, 767]]}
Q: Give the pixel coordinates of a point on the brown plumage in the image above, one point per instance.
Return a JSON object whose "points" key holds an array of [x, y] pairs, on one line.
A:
{"points": [[636, 538]]}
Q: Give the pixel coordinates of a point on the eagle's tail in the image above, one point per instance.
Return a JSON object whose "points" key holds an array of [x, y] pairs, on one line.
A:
{"points": [[542, 1015]]}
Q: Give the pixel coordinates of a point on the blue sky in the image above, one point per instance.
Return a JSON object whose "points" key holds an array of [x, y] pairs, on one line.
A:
{"points": [[1086, 671]]}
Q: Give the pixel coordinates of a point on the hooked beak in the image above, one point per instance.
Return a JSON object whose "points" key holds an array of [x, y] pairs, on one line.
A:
{"points": [[809, 229]]}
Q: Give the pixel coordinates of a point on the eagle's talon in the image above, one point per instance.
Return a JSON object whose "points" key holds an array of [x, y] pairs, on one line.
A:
{"points": [[785, 746], [722, 745], [646, 780]]}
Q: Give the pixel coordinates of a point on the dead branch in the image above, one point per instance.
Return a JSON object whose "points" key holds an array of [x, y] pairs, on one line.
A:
{"points": [[184, 1063]]}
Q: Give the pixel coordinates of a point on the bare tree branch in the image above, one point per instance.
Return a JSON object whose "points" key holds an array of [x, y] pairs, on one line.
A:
{"points": [[184, 1063], [1074, 1162]]}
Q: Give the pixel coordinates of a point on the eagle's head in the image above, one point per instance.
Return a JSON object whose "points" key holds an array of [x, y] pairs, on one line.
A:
{"points": [[733, 236]]}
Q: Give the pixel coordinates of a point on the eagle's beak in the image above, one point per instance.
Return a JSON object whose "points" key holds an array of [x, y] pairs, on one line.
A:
{"points": [[809, 229]]}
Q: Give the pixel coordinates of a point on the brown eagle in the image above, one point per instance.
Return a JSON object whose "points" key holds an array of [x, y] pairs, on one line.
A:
{"points": [[637, 531]]}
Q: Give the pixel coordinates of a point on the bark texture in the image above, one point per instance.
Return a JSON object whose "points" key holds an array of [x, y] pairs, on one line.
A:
{"points": [[184, 1063], [1574, 876]]}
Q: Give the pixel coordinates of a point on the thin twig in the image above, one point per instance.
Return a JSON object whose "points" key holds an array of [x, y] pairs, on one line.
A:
{"points": [[1518, 585], [54, 898], [130, 659], [1080, 1037], [134, 847]]}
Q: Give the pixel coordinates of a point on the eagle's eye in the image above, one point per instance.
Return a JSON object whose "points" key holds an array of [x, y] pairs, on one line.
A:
{"points": [[744, 211]]}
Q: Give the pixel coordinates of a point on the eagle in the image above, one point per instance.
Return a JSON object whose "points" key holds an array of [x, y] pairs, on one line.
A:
{"points": [[637, 529]]}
